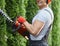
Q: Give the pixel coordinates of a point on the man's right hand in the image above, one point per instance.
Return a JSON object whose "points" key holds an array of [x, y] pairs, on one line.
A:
{"points": [[22, 29], [17, 23]]}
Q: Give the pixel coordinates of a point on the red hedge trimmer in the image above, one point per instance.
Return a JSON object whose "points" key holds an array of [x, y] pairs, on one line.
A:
{"points": [[22, 31]]}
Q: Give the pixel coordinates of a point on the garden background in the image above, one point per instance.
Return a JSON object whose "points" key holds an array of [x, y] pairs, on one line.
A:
{"points": [[27, 9]]}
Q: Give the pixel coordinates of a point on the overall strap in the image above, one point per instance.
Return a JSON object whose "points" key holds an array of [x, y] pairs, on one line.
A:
{"points": [[49, 12], [47, 33]]}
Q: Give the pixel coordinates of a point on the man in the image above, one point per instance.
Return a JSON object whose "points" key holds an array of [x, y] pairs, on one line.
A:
{"points": [[41, 23]]}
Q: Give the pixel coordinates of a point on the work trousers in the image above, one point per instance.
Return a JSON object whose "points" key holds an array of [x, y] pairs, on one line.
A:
{"points": [[37, 43]]}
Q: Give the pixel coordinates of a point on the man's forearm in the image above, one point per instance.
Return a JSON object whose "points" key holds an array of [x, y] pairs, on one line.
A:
{"points": [[30, 28]]}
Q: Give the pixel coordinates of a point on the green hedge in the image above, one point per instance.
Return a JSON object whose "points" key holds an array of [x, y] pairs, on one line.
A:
{"points": [[27, 9], [15, 8], [3, 33], [55, 8], [31, 10]]}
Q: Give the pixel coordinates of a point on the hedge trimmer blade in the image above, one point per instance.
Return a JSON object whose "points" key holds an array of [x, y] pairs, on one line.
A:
{"points": [[10, 20], [5, 15]]}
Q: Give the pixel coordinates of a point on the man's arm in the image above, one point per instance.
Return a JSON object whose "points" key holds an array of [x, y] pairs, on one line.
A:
{"points": [[34, 28]]}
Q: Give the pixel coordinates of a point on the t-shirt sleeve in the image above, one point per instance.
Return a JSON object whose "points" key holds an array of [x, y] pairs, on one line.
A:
{"points": [[42, 16]]}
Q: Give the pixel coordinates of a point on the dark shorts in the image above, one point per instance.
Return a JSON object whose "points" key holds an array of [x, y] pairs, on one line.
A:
{"points": [[37, 43]]}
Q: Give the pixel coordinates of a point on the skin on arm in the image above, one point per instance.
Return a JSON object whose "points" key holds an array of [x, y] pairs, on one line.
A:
{"points": [[34, 28]]}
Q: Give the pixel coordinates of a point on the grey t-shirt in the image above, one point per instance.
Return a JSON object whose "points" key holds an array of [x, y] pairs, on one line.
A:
{"points": [[46, 17]]}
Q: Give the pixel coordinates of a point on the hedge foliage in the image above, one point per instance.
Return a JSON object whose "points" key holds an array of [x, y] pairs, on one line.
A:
{"points": [[27, 9], [3, 33]]}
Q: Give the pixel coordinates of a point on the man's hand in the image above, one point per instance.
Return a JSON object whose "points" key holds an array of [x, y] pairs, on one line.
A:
{"points": [[17, 23], [22, 29]]}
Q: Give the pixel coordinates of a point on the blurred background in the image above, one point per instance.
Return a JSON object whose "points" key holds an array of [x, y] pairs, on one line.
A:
{"points": [[27, 9]]}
